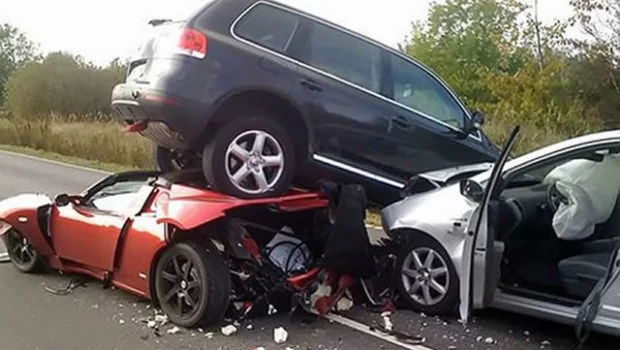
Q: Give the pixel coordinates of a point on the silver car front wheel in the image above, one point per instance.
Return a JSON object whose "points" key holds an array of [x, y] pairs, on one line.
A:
{"points": [[426, 278]]}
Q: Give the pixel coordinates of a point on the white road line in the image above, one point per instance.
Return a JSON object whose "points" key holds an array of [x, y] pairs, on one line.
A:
{"points": [[55, 162], [360, 327]]}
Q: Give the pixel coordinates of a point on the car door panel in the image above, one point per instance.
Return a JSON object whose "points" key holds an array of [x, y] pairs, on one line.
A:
{"points": [[477, 282], [89, 232], [602, 306], [85, 236], [436, 140], [338, 83]]}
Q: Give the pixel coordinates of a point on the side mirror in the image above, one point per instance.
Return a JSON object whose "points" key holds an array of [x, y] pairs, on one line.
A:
{"points": [[472, 190], [475, 123], [64, 199]]}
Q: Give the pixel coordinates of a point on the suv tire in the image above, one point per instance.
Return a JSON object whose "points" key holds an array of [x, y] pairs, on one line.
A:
{"points": [[251, 156]]}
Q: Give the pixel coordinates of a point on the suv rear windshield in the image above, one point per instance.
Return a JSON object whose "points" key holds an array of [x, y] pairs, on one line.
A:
{"points": [[268, 26]]}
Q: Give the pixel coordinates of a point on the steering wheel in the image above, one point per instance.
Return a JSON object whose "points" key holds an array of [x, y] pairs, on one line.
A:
{"points": [[555, 198]]}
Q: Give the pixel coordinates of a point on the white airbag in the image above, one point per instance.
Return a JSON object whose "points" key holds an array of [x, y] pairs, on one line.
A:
{"points": [[599, 180], [574, 221]]}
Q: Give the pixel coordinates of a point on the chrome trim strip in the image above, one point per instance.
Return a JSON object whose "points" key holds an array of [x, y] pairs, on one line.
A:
{"points": [[126, 102], [611, 308], [477, 137], [358, 171]]}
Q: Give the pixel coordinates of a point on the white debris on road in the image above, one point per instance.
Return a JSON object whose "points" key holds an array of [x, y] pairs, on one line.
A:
{"points": [[387, 322], [280, 335], [344, 304], [161, 319], [174, 330], [272, 310], [229, 330]]}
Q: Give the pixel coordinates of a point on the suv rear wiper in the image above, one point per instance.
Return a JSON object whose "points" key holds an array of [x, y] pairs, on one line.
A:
{"points": [[158, 21]]}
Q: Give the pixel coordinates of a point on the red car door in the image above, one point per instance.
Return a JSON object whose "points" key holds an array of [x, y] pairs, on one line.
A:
{"points": [[88, 232], [87, 235]]}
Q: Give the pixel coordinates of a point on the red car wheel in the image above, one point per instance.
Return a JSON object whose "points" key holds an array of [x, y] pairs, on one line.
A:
{"points": [[192, 284], [23, 255]]}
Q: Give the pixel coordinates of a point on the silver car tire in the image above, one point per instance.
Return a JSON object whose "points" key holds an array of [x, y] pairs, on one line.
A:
{"points": [[425, 277]]}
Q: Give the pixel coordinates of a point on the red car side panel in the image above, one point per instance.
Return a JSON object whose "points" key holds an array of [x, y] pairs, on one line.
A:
{"points": [[187, 208], [138, 247]]}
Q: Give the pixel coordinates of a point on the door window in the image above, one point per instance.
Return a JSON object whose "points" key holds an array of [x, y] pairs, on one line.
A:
{"points": [[345, 56], [268, 26], [418, 90]]}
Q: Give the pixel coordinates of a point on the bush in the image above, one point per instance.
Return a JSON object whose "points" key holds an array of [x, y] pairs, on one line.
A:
{"points": [[61, 84], [97, 140]]}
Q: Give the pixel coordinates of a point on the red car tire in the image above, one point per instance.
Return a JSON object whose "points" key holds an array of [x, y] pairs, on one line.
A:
{"points": [[192, 284]]}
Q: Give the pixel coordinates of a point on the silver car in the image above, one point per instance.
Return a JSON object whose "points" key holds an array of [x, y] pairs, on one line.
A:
{"points": [[482, 236]]}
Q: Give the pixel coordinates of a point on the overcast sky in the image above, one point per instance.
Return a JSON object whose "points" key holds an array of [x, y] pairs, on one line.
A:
{"points": [[102, 30]]}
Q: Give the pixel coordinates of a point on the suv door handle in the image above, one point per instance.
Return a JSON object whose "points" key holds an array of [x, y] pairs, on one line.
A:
{"points": [[401, 122], [309, 84]]}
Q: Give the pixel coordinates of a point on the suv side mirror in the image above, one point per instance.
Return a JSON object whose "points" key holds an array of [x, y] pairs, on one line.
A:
{"points": [[472, 190], [475, 123]]}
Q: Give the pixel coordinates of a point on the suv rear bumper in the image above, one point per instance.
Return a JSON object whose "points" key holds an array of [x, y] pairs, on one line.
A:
{"points": [[172, 121]]}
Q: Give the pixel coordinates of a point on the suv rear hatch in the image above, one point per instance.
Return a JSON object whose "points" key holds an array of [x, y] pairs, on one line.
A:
{"points": [[166, 40]]}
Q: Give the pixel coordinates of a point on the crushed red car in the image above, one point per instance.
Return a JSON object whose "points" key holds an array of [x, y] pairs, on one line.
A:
{"points": [[195, 253]]}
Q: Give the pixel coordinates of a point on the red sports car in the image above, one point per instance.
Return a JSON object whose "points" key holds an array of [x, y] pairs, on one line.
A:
{"points": [[164, 237]]}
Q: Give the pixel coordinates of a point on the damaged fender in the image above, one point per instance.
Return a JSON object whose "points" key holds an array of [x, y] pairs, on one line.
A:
{"points": [[22, 213]]}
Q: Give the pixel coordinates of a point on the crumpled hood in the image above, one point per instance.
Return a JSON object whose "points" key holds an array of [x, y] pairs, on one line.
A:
{"points": [[443, 176]]}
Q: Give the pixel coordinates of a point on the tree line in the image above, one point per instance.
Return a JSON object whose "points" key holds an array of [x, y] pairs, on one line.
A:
{"points": [[497, 55], [33, 85]]}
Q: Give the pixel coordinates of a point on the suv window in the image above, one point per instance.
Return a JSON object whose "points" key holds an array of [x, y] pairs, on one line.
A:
{"points": [[417, 89], [268, 26], [345, 56]]}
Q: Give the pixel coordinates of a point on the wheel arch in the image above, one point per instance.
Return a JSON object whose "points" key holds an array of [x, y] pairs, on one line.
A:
{"points": [[266, 100]]}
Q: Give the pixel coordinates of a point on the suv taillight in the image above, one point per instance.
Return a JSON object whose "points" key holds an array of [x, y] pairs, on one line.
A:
{"points": [[193, 43]]}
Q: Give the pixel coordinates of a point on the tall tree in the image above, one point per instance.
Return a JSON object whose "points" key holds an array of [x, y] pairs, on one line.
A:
{"points": [[464, 39], [15, 51]]}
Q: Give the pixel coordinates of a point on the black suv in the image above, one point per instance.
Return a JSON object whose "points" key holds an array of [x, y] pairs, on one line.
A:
{"points": [[263, 96]]}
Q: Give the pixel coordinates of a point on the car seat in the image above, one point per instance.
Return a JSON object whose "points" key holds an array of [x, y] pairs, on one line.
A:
{"points": [[580, 273]]}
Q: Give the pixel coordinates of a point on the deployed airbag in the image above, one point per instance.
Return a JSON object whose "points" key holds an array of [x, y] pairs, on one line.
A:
{"points": [[599, 181], [573, 221]]}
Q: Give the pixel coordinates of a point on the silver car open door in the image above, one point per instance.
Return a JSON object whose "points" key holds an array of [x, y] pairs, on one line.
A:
{"points": [[477, 283], [601, 309]]}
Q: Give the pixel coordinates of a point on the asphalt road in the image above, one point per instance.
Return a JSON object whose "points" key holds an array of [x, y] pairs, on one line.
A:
{"points": [[95, 318]]}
